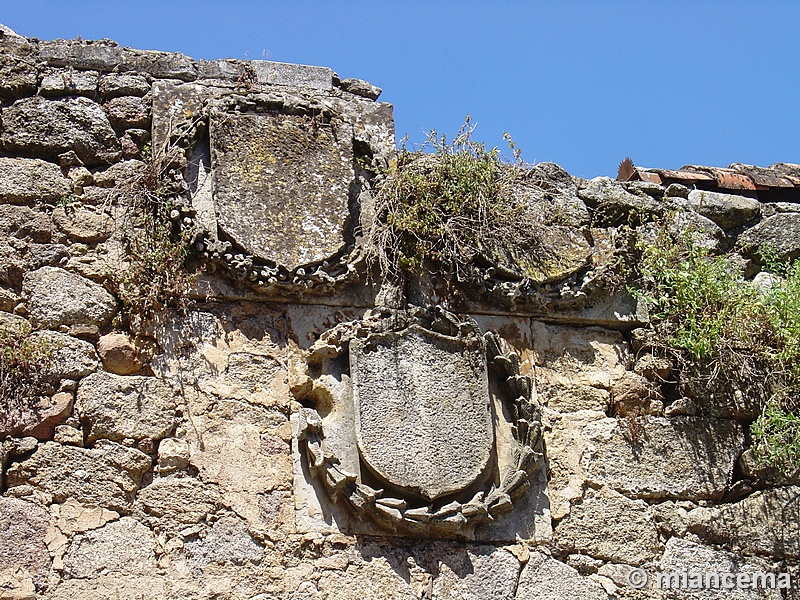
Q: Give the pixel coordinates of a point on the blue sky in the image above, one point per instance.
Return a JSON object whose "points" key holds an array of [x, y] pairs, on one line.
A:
{"points": [[582, 84]]}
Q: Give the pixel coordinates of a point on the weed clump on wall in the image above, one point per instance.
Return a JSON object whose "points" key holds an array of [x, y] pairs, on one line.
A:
{"points": [[157, 273], [730, 333], [449, 204]]}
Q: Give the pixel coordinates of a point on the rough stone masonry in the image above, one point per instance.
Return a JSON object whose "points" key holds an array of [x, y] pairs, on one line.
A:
{"points": [[306, 431]]}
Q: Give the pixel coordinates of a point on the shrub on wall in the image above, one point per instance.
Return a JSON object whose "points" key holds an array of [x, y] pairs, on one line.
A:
{"points": [[446, 203], [703, 311]]}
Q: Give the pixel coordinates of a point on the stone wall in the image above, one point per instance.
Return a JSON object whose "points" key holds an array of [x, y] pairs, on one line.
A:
{"points": [[304, 430]]}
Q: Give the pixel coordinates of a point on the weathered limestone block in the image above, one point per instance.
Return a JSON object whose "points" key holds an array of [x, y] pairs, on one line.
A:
{"points": [[174, 503], [105, 55], [49, 127], [680, 458], [766, 522], [114, 85], [228, 451], [227, 541], [577, 367], [83, 223], [252, 377], [267, 199], [114, 407], [609, 526], [359, 87], [8, 300], [73, 517], [14, 323], [47, 255], [726, 210], [780, 233], [684, 556], [565, 441], [37, 417], [477, 573], [119, 354], [16, 584], [107, 475], [559, 204], [125, 175], [23, 530], [57, 297], [18, 71], [278, 73], [68, 435], [19, 226], [124, 547], [378, 576], [633, 395], [126, 112], [702, 231], [173, 455], [545, 578], [117, 586], [565, 250], [166, 65], [422, 410], [102, 55], [30, 180], [69, 83], [614, 205], [12, 264], [753, 468]]}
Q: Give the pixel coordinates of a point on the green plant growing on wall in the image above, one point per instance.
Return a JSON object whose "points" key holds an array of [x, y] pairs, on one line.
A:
{"points": [[157, 273], [447, 202], [23, 364], [704, 312]]}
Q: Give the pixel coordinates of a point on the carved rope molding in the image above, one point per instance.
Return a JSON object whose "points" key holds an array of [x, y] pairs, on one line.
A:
{"points": [[456, 517]]}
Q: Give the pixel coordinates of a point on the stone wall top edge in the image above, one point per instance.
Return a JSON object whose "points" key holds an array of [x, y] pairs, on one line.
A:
{"points": [[108, 56]]}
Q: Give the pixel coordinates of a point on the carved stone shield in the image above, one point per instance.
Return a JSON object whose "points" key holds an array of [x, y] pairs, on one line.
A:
{"points": [[422, 409], [281, 185]]}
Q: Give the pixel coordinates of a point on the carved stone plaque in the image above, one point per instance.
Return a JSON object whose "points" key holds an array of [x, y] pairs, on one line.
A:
{"points": [[428, 429], [281, 185], [422, 410]]}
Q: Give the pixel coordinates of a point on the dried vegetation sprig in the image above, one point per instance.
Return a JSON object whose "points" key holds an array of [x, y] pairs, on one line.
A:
{"points": [[156, 273], [450, 203]]}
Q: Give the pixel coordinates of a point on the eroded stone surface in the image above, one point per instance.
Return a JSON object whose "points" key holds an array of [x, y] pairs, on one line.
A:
{"points": [[422, 410], [267, 199], [70, 358], [478, 573], [50, 127], [124, 547], [58, 297], [683, 458], [107, 475], [684, 556], [545, 578], [17, 66], [173, 503], [28, 180], [23, 528], [610, 526], [766, 522], [226, 541], [726, 210], [114, 407], [779, 233], [119, 354]]}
